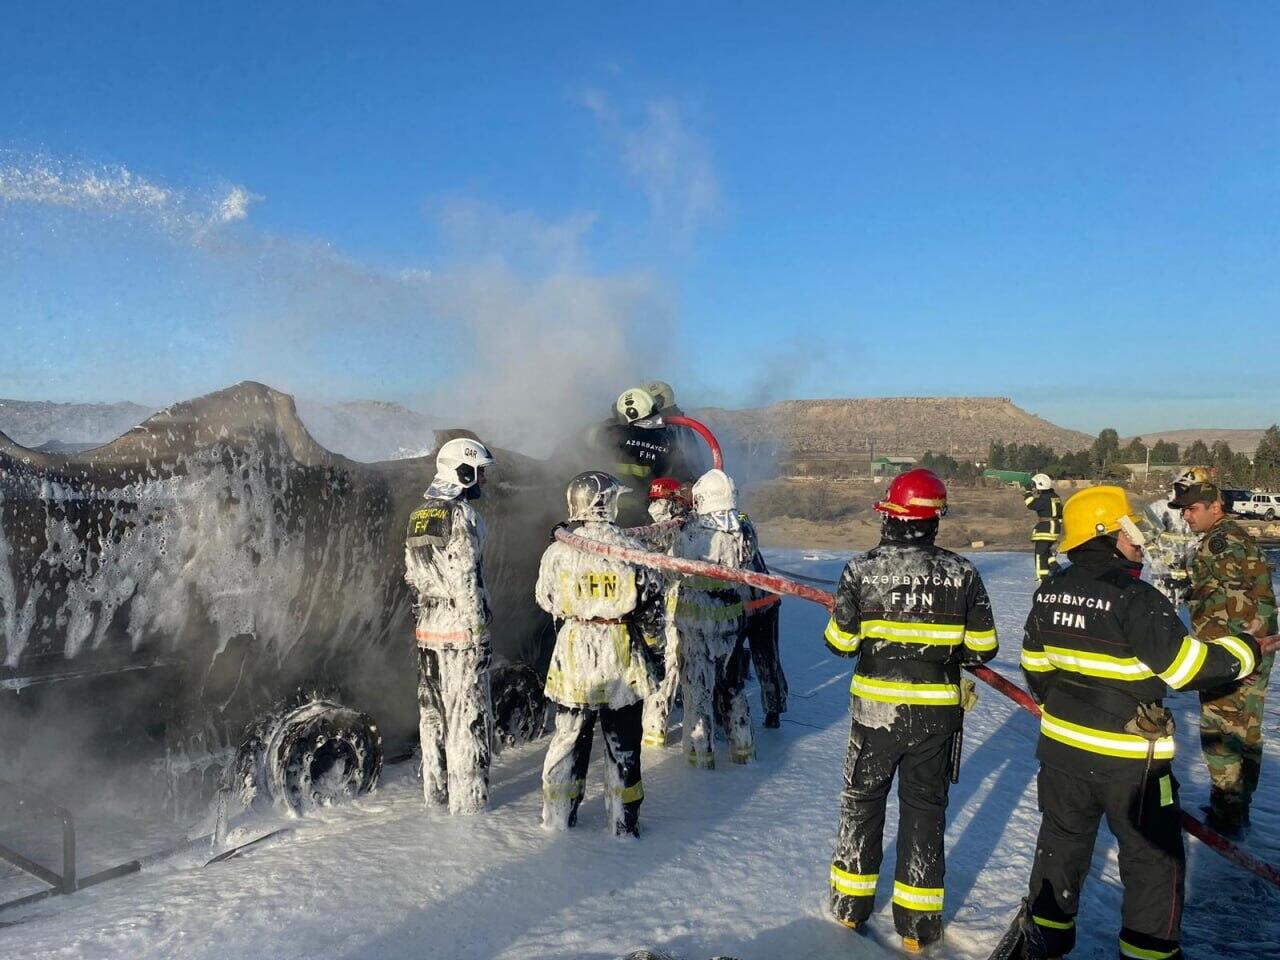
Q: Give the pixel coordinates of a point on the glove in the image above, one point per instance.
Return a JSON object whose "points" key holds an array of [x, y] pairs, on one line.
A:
{"points": [[968, 694]]}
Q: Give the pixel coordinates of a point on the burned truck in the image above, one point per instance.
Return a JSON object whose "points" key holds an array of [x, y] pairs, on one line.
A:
{"points": [[215, 590]]}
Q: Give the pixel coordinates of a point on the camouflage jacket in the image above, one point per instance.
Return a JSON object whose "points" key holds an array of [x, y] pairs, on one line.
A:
{"points": [[1230, 584]]}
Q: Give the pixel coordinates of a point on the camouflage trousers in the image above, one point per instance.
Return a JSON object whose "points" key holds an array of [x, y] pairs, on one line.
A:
{"points": [[1231, 739]]}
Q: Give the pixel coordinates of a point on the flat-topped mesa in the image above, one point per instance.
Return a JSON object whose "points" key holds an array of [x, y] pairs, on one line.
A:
{"points": [[964, 426]]}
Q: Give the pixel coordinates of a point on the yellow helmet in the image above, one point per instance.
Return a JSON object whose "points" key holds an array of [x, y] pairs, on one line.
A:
{"points": [[1098, 510]]}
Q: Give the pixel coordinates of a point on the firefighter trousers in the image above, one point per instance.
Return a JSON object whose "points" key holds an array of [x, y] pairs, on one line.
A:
{"points": [[922, 765], [455, 725], [1045, 562], [1143, 814], [713, 680], [762, 639], [658, 705], [564, 772]]}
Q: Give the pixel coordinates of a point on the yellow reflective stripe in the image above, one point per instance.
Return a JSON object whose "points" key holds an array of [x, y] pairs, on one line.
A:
{"points": [[1186, 664], [654, 739], [904, 631], [926, 899], [1098, 664], [853, 884], [564, 791], [980, 640], [632, 469], [627, 794], [1108, 743], [1035, 662], [900, 691], [1044, 536], [1053, 924], [1240, 650], [1142, 953], [743, 753], [716, 613], [839, 639]]}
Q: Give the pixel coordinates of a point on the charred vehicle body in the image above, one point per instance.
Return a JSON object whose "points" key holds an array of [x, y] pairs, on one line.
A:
{"points": [[215, 591]]}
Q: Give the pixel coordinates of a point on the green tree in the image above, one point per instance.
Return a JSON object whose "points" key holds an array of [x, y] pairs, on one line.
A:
{"points": [[1266, 459], [1241, 469], [1106, 450], [995, 456], [1164, 452], [1197, 455], [1221, 458], [1134, 452]]}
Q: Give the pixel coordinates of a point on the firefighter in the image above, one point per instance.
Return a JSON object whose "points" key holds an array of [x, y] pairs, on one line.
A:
{"points": [[669, 499], [763, 609], [610, 613], [1046, 503], [1101, 649], [710, 619], [442, 557], [913, 614]]}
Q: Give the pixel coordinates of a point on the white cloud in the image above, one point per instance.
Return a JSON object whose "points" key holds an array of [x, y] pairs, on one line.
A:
{"points": [[119, 192], [670, 160]]}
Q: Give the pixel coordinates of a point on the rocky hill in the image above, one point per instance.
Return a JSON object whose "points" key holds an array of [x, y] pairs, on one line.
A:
{"points": [[907, 426]]}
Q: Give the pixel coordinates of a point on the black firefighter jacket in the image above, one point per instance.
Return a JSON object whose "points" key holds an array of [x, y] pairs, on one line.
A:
{"points": [[912, 613], [1098, 642]]}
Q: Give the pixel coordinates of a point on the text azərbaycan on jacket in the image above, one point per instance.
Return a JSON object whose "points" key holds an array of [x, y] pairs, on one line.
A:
{"points": [[912, 614], [1098, 642]]}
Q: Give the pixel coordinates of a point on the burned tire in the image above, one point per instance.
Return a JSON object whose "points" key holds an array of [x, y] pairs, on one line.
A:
{"points": [[311, 754], [519, 706]]}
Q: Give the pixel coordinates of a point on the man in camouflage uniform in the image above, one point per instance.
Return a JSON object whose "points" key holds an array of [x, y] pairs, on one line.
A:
{"points": [[1231, 592]]}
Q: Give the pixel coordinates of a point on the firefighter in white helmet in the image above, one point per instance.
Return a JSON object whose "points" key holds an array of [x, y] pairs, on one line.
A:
{"points": [[610, 614], [442, 557], [1046, 503], [669, 499], [710, 618]]}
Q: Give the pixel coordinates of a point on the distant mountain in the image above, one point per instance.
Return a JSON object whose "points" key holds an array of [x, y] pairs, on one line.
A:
{"points": [[1241, 441], [963, 427], [368, 430], [35, 422]]}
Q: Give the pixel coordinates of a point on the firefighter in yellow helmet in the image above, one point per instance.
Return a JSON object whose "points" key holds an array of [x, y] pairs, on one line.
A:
{"points": [[1100, 651]]}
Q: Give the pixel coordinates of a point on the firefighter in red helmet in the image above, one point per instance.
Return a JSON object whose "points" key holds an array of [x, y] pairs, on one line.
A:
{"points": [[669, 499], [913, 614]]}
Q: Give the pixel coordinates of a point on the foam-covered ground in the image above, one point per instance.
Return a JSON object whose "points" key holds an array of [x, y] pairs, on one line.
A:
{"points": [[732, 861]]}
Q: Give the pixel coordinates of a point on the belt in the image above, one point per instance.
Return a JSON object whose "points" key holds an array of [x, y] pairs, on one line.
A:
{"points": [[595, 620]]}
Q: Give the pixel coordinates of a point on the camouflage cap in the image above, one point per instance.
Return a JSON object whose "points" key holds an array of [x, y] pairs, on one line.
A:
{"points": [[1194, 486]]}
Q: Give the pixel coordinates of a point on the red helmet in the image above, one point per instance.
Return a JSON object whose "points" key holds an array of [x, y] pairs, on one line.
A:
{"points": [[915, 495], [669, 488]]}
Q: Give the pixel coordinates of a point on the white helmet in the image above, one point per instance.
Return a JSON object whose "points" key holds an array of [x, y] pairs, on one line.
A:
{"points": [[663, 395], [1041, 481], [594, 496], [634, 404], [460, 461], [715, 491]]}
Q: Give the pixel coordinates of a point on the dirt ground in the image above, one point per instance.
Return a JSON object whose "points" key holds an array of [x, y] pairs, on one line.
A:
{"points": [[835, 514]]}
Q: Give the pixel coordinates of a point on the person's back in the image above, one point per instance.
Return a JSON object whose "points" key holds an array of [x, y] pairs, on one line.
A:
{"points": [[709, 615], [1101, 648], [911, 613]]}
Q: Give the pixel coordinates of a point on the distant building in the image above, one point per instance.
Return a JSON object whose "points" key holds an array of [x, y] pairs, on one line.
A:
{"points": [[891, 466]]}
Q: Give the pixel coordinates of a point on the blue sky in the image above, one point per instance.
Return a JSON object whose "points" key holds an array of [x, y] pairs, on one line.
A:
{"points": [[1073, 205]]}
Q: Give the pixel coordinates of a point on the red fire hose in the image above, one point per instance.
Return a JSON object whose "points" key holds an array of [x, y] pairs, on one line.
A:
{"points": [[698, 427], [777, 584]]}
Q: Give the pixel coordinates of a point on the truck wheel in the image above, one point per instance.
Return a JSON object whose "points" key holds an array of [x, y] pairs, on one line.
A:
{"points": [[1269, 515], [311, 754]]}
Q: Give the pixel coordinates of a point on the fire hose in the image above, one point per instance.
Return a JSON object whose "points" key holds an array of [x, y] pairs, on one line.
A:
{"points": [[782, 585], [697, 426]]}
